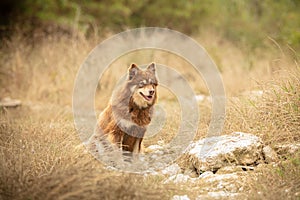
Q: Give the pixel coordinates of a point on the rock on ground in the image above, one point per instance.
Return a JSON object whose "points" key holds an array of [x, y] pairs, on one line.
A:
{"points": [[182, 197], [223, 182], [8, 102], [171, 170], [269, 154], [221, 195], [180, 178], [212, 153], [287, 149]]}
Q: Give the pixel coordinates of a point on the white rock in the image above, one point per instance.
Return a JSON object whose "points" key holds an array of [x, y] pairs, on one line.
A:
{"points": [[8, 102], [270, 154], [202, 98], [212, 153], [222, 182], [206, 174], [154, 147], [183, 197], [282, 149], [180, 178], [171, 170], [221, 177], [219, 195], [212, 182]]}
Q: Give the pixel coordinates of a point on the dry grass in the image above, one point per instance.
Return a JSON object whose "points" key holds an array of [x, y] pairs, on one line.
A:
{"points": [[41, 159], [42, 71], [277, 182], [41, 156], [274, 116]]}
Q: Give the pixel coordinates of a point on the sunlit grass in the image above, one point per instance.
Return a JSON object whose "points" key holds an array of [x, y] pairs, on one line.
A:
{"points": [[40, 151]]}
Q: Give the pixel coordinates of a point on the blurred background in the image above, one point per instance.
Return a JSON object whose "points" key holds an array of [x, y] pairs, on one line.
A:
{"points": [[255, 45], [246, 23], [49, 39]]}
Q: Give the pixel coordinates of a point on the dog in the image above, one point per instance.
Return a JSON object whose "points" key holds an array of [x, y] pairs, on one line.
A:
{"points": [[124, 121]]}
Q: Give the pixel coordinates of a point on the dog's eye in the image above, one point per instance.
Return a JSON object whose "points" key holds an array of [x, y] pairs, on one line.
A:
{"points": [[141, 84], [153, 82]]}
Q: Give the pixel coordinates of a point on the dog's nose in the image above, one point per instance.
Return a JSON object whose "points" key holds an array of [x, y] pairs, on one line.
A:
{"points": [[151, 92]]}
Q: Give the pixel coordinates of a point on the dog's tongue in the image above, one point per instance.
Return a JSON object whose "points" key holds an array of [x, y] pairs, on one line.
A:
{"points": [[149, 97]]}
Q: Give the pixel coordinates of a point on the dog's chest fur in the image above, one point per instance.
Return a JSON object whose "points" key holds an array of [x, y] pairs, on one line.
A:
{"points": [[140, 116]]}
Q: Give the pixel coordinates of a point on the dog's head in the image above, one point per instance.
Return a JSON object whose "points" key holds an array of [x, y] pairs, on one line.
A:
{"points": [[142, 84]]}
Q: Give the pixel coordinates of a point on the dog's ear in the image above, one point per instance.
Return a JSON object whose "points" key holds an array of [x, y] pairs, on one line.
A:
{"points": [[132, 71], [151, 67]]}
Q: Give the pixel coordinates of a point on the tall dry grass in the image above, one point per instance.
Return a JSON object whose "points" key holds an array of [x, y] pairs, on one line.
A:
{"points": [[41, 159], [275, 115], [41, 156], [42, 70]]}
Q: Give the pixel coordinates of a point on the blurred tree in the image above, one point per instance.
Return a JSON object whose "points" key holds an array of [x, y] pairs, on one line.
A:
{"points": [[243, 22]]}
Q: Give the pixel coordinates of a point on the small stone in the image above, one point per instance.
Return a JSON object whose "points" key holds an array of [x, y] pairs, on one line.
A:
{"points": [[287, 149], [8, 102], [183, 197], [206, 174], [180, 178], [221, 195], [153, 148], [221, 177], [171, 170], [269, 154]]}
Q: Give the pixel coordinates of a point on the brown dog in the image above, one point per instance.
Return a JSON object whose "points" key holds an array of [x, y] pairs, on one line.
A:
{"points": [[124, 121]]}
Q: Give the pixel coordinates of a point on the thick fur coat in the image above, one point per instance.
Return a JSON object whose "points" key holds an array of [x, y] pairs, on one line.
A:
{"points": [[124, 121]]}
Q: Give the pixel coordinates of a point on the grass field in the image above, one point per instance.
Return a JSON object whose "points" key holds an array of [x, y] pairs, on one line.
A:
{"points": [[40, 151]]}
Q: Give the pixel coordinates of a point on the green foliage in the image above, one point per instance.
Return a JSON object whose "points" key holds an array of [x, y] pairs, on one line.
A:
{"points": [[246, 23]]}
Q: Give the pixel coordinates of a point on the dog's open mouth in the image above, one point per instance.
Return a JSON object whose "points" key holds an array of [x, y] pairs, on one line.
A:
{"points": [[148, 97]]}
